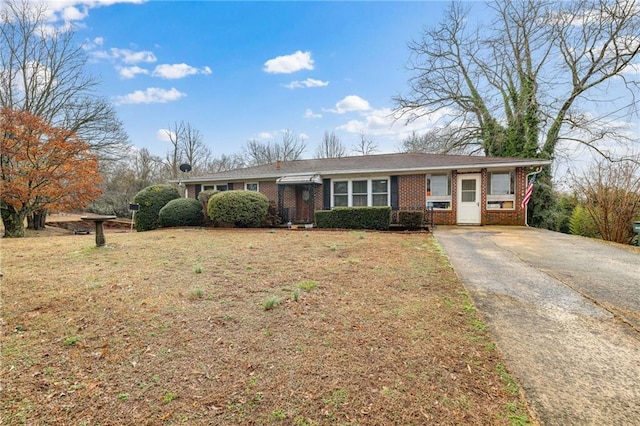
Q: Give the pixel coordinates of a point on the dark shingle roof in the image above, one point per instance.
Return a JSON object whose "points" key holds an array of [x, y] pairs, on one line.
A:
{"points": [[382, 163]]}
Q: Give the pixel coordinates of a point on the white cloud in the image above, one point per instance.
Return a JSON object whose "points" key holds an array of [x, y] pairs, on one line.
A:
{"points": [[351, 103], [131, 57], [164, 135], [265, 135], [152, 95], [131, 72], [75, 10], [632, 69], [72, 13], [310, 82], [310, 114], [175, 71], [123, 55], [382, 122], [288, 64]]}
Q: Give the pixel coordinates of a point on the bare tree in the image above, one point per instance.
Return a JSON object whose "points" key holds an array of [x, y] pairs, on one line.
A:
{"points": [[187, 146], [291, 148], [225, 163], [610, 193], [524, 86], [365, 146], [437, 141], [330, 147], [42, 71]]}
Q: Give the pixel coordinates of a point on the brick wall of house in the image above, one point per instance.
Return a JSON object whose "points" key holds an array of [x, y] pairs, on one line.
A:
{"points": [[270, 189], [412, 192], [191, 191]]}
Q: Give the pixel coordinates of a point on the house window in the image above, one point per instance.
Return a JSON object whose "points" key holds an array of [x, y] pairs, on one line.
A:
{"points": [[251, 186], [360, 193], [439, 191], [501, 190], [380, 192], [216, 187], [341, 194]]}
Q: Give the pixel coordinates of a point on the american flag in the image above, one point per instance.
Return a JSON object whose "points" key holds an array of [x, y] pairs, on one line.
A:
{"points": [[527, 194]]}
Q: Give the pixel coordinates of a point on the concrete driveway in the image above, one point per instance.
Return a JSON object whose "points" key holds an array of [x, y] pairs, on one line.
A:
{"points": [[565, 314]]}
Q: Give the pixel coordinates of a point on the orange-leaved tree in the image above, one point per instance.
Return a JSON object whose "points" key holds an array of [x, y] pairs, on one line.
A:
{"points": [[42, 167]]}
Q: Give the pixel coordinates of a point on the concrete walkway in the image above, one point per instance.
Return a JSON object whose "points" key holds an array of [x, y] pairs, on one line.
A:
{"points": [[565, 314]]}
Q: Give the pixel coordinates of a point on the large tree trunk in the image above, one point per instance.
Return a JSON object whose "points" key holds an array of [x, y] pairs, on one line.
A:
{"points": [[13, 222], [36, 220]]}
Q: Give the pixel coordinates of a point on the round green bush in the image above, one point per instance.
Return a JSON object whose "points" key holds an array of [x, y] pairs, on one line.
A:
{"points": [[244, 209], [151, 199], [181, 212]]}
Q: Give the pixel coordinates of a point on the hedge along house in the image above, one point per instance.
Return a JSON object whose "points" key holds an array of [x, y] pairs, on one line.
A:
{"points": [[463, 190]]}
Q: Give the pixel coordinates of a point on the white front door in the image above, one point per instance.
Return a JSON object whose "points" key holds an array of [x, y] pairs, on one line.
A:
{"points": [[469, 211]]}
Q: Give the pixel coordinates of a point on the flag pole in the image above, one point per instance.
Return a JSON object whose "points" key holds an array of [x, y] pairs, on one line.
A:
{"points": [[526, 208]]}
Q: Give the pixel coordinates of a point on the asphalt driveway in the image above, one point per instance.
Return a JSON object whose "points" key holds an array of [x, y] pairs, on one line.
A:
{"points": [[565, 314]]}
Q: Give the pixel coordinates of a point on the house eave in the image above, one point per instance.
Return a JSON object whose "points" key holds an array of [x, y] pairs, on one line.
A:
{"points": [[378, 171]]}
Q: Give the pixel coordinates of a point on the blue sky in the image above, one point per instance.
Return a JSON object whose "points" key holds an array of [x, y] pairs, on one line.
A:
{"points": [[248, 70]]}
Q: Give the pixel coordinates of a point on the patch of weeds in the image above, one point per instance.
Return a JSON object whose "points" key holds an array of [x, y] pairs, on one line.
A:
{"points": [[123, 396], [271, 303], [168, 397], [253, 380], [337, 397], [506, 378], [296, 294], [517, 415], [71, 341], [266, 333], [468, 307], [307, 285], [277, 415], [491, 346], [303, 421], [354, 261], [48, 371], [333, 247], [197, 269], [196, 294], [478, 325], [448, 302]]}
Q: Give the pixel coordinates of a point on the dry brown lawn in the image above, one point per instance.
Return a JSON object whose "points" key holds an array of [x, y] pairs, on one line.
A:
{"points": [[225, 327]]}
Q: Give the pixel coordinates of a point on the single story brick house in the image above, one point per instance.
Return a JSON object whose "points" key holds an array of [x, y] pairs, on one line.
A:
{"points": [[461, 189]]}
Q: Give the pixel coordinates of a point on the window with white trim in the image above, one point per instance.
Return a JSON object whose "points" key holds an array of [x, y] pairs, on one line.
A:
{"points": [[216, 187], [501, 190], [439, 191], [252, 186], [360, 192]]}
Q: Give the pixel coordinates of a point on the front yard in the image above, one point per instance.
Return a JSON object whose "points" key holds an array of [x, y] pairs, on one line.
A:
{"points": [[193, 326]]}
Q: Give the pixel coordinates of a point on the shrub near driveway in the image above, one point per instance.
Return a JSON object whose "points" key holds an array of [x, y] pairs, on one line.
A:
{"points": [[171, 327]]}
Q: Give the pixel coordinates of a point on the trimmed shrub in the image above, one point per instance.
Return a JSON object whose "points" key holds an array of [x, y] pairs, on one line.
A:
{"points": [[378, 218], [151, 199], [181, 212], [203, 197], [244, 209], [410, 219]]}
